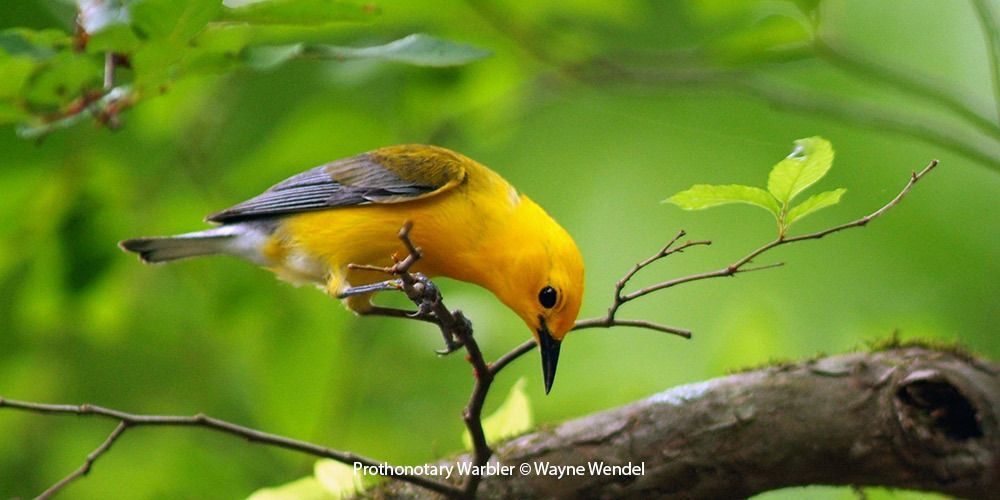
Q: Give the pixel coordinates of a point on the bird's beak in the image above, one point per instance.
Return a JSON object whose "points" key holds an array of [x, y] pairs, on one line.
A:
{"points": [[550, 355]]}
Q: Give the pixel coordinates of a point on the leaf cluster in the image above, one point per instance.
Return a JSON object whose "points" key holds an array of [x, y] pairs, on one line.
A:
{"points": [[124, 51], [808, 162]]}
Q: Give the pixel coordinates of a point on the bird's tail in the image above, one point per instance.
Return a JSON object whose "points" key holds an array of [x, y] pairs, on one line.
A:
{"points": [[167, 248]]}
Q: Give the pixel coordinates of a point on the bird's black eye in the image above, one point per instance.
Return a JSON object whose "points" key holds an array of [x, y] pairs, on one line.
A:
{"points": [[547, 297]]}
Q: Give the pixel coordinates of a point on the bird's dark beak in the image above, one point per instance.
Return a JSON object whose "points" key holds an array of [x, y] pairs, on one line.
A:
{"points": [[550, 355]]}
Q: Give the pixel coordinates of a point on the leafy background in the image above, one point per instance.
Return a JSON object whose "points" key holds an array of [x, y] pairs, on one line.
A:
{"points": [[598, 110]]}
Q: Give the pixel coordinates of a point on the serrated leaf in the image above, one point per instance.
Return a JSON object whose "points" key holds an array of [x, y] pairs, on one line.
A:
{"points": [[300, 12], [813, 204], [809, 162], [513, 417], [417, 49], [702, 196]]}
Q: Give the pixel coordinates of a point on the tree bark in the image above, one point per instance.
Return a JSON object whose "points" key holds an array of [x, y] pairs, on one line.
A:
{"points": [[908, 417]]}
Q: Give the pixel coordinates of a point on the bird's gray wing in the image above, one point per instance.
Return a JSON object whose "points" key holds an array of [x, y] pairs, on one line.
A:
{"points": [[389, 175]]}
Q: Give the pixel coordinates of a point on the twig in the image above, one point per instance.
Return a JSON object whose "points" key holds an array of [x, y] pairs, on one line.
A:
{"points": [[737, 267], [906, 81], [109, 71], [453, 325], [106, 108], [88, 463], [609, 320], [992, 36], [130, 420], [872, 116]]}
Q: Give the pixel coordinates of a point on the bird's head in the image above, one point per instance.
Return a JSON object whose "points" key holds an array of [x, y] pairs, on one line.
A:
{"points": [[543, 280]]}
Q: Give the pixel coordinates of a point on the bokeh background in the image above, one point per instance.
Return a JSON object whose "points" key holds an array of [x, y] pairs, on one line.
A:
{"points": [[597, 110]]}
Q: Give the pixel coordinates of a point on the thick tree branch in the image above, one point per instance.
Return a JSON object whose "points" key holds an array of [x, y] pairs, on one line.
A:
{"points": [[907, 417]]}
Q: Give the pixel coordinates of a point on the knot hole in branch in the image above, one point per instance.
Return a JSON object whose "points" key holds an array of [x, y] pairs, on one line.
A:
{"points": [[939, 406]]}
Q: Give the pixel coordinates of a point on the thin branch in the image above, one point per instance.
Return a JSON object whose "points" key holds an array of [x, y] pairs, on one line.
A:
{"points": [[88, 463], [506, 359], [737, 267], [872, 116], [992, 35], [109, 71], [906, 81], [131, 420], [606, 322], [457, 332], [105, 108]]}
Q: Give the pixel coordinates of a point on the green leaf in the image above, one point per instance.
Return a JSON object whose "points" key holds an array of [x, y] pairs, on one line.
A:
{"points": [[268, 57], [702, 196], [300, 12], [307, 488], [813, 204], [63, 78], [341, 480], [173, 20], [775, 37], [14, 74], [513, 417], [38, 45], [809, 162], [417, 49]]}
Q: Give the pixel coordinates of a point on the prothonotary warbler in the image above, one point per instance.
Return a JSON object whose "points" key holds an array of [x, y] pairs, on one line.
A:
{"points": [[472, 225]]}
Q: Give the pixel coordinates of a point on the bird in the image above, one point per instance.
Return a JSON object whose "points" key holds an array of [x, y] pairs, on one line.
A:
{"points": [[470, 223]]}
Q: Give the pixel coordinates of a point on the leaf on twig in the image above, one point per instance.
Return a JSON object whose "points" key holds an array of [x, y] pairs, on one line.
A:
{"points": [[702, 196], [809, 162], [813, 204]]}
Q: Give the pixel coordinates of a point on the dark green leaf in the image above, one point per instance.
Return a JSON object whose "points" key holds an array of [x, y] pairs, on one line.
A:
{"points": [[177, 21], [300, 12], [31, 43]]}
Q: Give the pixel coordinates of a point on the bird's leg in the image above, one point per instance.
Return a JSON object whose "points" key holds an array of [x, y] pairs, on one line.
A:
{"points": [[380, 286]]}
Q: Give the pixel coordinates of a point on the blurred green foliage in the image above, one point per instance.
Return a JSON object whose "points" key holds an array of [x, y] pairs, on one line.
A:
{"points": [[595, 109]]}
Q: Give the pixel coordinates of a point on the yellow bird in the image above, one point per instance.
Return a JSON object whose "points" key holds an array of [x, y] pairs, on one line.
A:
{"points": [[471, 223]]}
